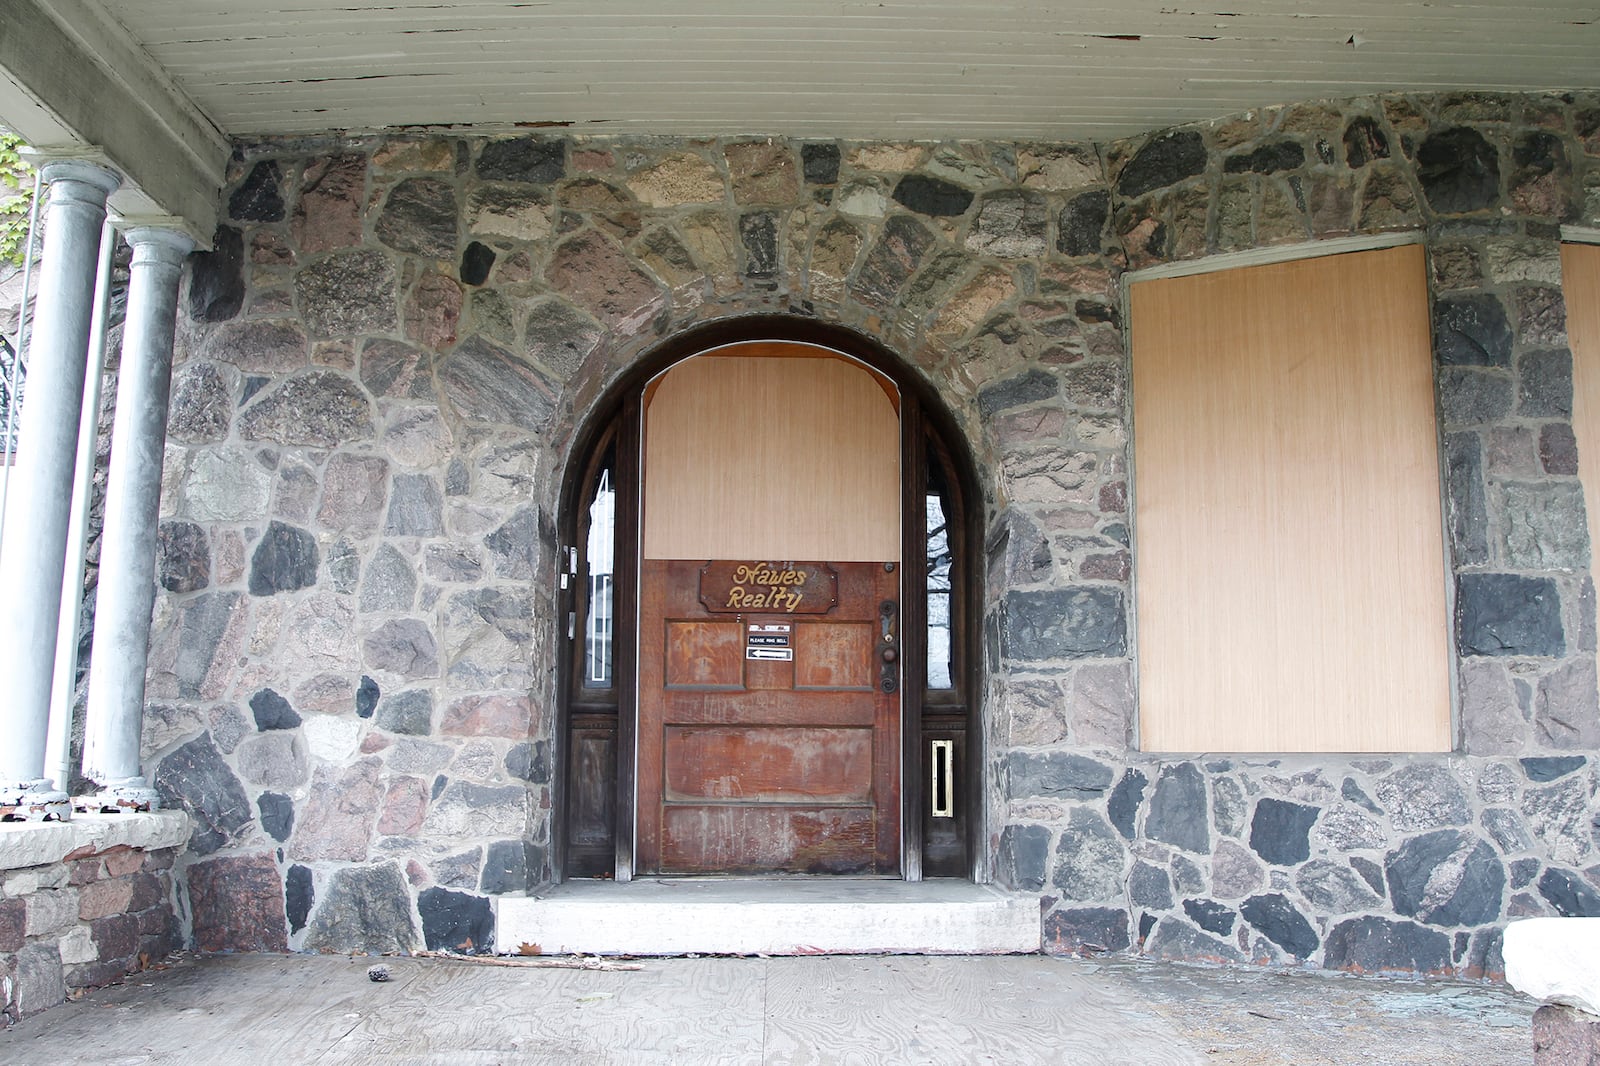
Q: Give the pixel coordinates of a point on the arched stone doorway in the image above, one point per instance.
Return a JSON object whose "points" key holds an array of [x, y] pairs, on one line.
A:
{"points": [[716, 783]]}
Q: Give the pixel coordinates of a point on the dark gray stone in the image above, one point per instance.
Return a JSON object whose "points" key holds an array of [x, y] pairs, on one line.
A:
{"points": [[1566, 712], [404, 646], [1447, 877], [1024, 857], [298, 896], [1280, 831], [513, 545], [1506, 827], [1166, 160], [420, 218], [1471, 331], [476, 262], [530, 761], [560, 336], [1275, 918], [259, 198], [1055, 773], [1550, 767], [409, 712], [195, 778], [348, 293], [1089, 858], [488, 383], [1469, 397], [932, 196], [367, 909], [1558, 449], [1012, 224], [1210, 915], [1082, 225], [1507, 614], [216, 278], [416, 507], [1269, 158], [1031, 387], [1378, 945], [1149, 886], [820, 163], [272, 711], [1086, 931], [457, 479], [1353, 792], [1459, 171], [895, 256], [456, 921], [459, 870], [1469, 517], [1177, 813], [758, 233], [526, 159], [1370, 872], [320, 408], [1065, 624], [342, 567], [390, 584], [367, 694], [200, 407], [1522, 872], [277, 815], [284, 561], [506, 868], [1123, 806], [183, 557], [1544, 383], [1178, 941], [1569, 894], [1364, 141]]}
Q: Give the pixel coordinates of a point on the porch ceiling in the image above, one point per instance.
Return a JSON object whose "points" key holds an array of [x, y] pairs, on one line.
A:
{"points": [[1045, 69]]}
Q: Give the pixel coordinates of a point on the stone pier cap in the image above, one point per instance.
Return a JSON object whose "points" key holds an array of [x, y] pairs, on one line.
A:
{"points": [[1556, 960], [24, 844]]}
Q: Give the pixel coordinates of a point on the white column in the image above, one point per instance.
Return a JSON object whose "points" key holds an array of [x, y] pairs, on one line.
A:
{"points": [[133, 503], [39, 502]]}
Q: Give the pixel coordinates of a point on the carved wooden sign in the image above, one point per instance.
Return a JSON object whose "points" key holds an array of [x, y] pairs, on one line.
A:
{"points": [[728, 587]]}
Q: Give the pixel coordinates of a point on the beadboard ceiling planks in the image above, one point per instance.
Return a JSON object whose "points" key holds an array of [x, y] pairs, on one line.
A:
{"points": [[1055, 71]]}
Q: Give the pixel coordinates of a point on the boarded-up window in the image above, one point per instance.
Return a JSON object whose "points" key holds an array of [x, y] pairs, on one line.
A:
{"points": [[1580, 277], [1290, 581]]}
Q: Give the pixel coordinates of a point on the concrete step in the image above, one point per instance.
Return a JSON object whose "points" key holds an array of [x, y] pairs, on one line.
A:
{"points": [[819, 916]]}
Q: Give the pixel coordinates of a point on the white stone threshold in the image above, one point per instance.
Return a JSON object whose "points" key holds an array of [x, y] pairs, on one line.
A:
{"points": [[25, 844], [1556, 960], [813, 916]]}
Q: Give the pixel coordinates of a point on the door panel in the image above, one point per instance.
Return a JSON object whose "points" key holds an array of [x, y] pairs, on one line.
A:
{"points": [[768, 765]]}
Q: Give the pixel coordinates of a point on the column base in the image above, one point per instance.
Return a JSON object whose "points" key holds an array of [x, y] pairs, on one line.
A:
{"points": [[124, 797], [33, 801]]}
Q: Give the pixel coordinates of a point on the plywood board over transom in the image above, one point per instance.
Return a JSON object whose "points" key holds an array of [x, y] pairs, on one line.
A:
{"points": [[1289, 546]]}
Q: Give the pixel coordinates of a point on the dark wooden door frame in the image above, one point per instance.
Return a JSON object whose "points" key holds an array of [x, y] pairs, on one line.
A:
{"points": [[616, 420]]}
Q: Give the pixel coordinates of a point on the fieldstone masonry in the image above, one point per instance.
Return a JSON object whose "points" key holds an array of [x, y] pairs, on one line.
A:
{"points": [[382, 365]]}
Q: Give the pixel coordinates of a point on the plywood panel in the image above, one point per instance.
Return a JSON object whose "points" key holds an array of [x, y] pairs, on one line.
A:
{"points": [[771, 457], [1580, 282], [1290, 559]]}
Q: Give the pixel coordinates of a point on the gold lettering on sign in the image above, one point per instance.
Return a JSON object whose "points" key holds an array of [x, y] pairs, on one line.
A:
{"points": [[768, 587]]}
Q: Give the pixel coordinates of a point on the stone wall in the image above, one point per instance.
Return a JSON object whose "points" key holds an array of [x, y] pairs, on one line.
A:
{"points": [[382, 362], [83, 905]]}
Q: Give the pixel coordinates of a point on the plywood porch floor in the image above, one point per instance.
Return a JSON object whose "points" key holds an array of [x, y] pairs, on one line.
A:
{"points": [[1017, 1010]]}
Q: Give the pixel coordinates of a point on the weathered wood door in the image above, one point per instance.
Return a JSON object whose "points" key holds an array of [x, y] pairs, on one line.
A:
{"points": [[770, 741], [769, 629]]}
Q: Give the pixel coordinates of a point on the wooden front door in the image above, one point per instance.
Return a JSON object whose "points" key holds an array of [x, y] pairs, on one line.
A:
{"points": [[770, 739], [769, 628]]}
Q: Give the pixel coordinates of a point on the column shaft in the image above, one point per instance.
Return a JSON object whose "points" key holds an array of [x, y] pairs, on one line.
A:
{"points": [[133, 504], [37, 510]]}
